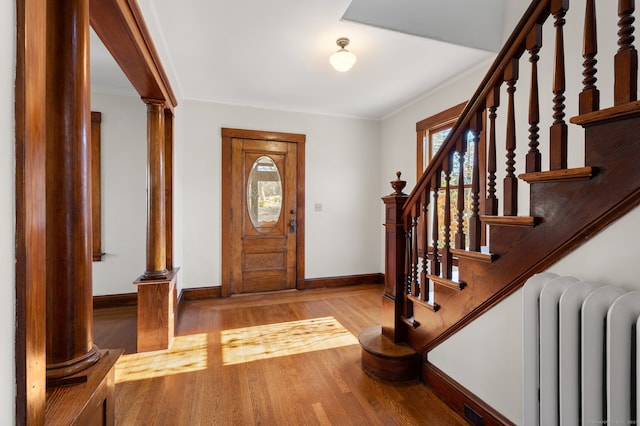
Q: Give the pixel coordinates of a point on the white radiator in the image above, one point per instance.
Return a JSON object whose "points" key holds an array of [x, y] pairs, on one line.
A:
{"points": [[579, 350]]}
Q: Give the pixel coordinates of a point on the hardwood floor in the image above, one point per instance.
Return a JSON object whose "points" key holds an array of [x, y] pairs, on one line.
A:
{"points": [[285, 358]]}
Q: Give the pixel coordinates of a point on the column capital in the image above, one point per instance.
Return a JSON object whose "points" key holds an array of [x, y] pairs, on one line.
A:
{"points": [[155, 102]]}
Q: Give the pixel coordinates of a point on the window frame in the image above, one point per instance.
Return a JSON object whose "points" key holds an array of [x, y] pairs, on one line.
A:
{"points": [[436, 123]]}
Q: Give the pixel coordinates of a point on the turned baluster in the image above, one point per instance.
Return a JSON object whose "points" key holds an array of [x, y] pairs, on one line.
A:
{"points": [[460, 237], [626, 59], [446, 259], [589, 98], [558, 130], [434, 265], [408, 270], [475, 229], [424, 281], [493, 102], [510, 182], [415, 214], [534, 43]]}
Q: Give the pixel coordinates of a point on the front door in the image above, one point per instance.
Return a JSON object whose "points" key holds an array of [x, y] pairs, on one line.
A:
{"points": [[263, 215]]}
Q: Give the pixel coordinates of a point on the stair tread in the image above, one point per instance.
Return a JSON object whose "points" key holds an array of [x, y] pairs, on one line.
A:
{"points": [[447, 282], [426, 303], [625, 110], [563, 175], [510, 220], [477, 255]]}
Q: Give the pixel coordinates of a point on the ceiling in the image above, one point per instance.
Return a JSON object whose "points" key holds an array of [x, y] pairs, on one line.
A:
{"points": [[275, 54]]}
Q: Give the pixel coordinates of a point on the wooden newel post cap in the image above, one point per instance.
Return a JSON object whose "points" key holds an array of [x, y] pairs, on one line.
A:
{"points": [[398, 185]]}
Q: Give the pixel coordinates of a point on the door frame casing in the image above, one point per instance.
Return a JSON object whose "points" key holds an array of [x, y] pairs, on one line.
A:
{"points": [[228, 134]]}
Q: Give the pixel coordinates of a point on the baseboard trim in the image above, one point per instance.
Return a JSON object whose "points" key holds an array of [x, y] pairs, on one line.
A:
{"points": [[115, 300], [200, 293], [343, 281], [215, 292], [460, 399]]}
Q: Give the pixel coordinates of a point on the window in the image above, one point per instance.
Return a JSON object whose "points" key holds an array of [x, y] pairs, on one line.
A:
{"points": [[431, 133]]}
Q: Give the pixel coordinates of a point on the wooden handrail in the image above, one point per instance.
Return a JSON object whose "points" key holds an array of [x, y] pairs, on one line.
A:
{"points": [[536, 13]]}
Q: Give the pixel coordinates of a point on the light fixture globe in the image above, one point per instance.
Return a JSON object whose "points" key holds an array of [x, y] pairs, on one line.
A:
{"points": [[342, 60]]}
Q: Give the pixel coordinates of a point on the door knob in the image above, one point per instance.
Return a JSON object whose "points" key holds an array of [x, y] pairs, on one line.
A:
{"points": [[292, 225]]}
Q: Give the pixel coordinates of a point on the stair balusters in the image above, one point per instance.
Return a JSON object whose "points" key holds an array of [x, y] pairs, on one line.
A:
{"points": [[493, 102], [510, 180], [626, 60], [446, 258], [475, 228], [460, 242], [589, 98], [424, 281], [434, 265], [558, 131], [426, 215], [534, 43]]}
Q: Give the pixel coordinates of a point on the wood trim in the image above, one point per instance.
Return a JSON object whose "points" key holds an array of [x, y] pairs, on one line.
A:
{"points": [[457, 397], [115, 300], [96, 185], [617, 112], [227, 135], [449, 115], [343, 281], [121, 27], [215, 292], [479, 256], [30, 178], [526, 221], [561, 175], [92, 401], [168, 187], [440, 118], [445, 282], [200, 293]]}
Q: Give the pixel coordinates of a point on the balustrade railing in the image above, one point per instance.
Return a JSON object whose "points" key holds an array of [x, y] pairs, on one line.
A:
{"points": [[434, 236]]}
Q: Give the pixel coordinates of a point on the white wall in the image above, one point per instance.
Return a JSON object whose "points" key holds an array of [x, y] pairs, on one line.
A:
{"points": [[7, 211], [123, 195], [342, 173]]}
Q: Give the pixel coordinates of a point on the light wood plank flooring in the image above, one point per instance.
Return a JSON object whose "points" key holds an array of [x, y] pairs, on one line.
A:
{"points": [[285, 358]]}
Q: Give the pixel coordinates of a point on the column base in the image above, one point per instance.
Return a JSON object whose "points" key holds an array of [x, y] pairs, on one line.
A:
{"points": [[91, 401], [154, 275], [157, 300], [56, 373]]}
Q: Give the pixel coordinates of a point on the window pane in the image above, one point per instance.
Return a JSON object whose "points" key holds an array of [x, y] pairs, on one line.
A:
{"points": [[264, 194], [436, 140]]}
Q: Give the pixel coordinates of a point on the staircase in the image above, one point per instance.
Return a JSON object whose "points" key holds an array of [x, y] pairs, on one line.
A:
{"points": [[441, 272]]}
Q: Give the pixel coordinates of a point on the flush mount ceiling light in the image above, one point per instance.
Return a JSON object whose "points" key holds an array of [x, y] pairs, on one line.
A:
{"points": [[342, 60]]}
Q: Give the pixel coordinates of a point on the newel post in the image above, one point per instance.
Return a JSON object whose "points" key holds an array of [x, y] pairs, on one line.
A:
{"points": [[395, 247]]}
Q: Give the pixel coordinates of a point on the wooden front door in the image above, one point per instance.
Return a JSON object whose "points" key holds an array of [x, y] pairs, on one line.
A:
{"points": [[263, 215]]}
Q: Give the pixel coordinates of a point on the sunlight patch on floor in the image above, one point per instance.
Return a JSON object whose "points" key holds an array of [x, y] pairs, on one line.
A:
{"points": [[187, 353], [287, 338]]}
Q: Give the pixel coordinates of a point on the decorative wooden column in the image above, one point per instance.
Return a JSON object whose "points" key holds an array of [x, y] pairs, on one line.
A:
{"points": [[80, 378], [156, 221], [69, 308], [393, 297], [157, 296]]}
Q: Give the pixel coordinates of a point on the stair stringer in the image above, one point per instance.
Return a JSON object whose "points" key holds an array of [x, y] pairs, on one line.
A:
{"points": [[571, 213]]}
